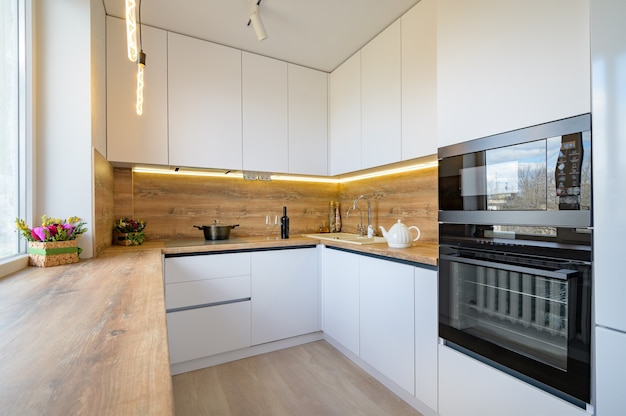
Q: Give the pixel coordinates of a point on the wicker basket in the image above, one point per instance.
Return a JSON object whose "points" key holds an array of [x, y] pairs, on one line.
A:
{"points": [[55, 253], [128, 239]]}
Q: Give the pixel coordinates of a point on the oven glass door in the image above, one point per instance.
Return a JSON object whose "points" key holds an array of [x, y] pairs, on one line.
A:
{"points": [[528, 313]]}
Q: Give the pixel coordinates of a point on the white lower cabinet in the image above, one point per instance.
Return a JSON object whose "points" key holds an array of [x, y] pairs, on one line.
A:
{"points": [[469, 387], [285, 294], [426, 336], [218, 303], [340, 299], [610, 372], [201, 332], [385, 313], [207, 297], [387, 319]]}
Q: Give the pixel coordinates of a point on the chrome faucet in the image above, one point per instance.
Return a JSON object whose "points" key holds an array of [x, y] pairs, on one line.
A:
{"points": [[370, 230]]}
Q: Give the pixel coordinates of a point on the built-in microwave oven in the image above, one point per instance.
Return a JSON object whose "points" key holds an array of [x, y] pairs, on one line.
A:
{"points": [[533, 175]]}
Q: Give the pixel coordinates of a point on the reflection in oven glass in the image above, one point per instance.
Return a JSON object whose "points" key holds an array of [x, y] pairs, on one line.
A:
{"points": [[522, 312]]}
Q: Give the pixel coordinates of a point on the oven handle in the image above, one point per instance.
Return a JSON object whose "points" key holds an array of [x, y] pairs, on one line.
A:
{"points": [[562, 274]]}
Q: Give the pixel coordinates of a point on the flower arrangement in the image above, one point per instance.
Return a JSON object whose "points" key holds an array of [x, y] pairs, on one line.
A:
{"points": [[52, 229], [126, 225], [53, 243], [129, 232]]}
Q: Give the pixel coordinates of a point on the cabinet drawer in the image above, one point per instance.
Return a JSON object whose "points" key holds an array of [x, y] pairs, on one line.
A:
{"points": [[200, 292], [202, 267], [202, 332]]}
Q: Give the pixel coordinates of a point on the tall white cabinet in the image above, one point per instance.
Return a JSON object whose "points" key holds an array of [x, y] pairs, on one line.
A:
{"points": [[502, 66], [204, 84], [132, 138], [609, 140]]}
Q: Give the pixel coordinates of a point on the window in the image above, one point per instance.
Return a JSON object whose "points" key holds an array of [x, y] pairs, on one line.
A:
{"points": [[13, 130]]}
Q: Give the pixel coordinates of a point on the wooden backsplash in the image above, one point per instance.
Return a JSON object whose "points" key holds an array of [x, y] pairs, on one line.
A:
{"points": [[173, 204]]}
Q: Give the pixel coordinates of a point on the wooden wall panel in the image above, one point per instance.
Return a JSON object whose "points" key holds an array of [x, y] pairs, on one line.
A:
{"points": [[104, 179], [173, 204], [409, 196]]}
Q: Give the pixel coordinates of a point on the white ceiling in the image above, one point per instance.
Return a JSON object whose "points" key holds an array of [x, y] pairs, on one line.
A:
{"points": [[319, 34]]}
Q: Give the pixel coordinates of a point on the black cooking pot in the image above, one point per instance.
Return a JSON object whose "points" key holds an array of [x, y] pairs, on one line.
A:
{"points": [[216, 231]]}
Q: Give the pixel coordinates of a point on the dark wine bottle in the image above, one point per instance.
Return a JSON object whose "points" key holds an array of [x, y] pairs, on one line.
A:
{"points": [[284, 224]]}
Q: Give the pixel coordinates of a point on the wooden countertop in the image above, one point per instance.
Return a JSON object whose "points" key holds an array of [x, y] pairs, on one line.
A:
{"points": [[91, 338], [86, 339], [423, 253]]}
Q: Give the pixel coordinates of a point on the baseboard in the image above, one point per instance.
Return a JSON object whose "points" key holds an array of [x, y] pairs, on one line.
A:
{"points": [[384, 380], [225, 357]]}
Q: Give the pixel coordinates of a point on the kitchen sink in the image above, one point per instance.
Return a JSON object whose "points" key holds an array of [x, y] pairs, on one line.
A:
{"points": [[347, 238]]}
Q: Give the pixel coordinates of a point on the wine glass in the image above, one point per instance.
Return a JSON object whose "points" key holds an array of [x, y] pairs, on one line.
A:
{"points": [[276, 223], [269, 224]]}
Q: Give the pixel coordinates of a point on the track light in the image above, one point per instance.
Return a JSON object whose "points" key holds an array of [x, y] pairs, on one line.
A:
{"points": [[257, 24]]}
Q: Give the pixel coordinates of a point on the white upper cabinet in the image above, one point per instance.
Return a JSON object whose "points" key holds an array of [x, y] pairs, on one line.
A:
{"points": [[507, 65], [381, 99], [308, 120], [132, 138], [265, 114], [419, 80], [204, 81], [345, 116]]}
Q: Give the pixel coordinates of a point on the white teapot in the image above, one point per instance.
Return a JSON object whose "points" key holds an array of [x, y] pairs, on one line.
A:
{"points": [[399, 236]]}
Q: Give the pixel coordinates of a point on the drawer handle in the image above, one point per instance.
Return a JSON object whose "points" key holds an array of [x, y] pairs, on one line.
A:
{"points": [[207, 305]]}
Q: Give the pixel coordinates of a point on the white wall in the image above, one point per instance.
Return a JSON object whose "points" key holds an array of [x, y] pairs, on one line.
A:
{"points": [[98, 77], [63, 106]]}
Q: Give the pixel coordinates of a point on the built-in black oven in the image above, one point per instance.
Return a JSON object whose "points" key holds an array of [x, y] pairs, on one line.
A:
{"points": [[515, 253]]}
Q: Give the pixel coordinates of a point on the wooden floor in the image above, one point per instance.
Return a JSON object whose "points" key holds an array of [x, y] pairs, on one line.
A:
{"points": [[310, 379]]}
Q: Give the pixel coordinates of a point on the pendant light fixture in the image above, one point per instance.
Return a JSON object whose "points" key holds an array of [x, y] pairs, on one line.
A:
{"points": [[141, 64], [131, 30], [257, 24]]}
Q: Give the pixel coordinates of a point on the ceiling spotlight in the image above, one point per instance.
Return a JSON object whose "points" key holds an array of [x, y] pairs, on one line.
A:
{"points": [[257, 24]]}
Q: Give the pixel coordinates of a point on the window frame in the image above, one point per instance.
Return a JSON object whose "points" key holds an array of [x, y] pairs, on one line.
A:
{"points": [[19, 260]]}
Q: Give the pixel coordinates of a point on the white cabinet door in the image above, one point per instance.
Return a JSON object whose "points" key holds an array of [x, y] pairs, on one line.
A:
{"points": [[469, 387], [202, 332], [206, 266], [204, 292], [387, 327], [340, 297], [426, 336], [502, 66], [285, 294], [609, 141], [132, 138], [308, 121], [381, 99], [265, 114], [345, 116], [610, 372], [204, 84], [419, 80]]}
